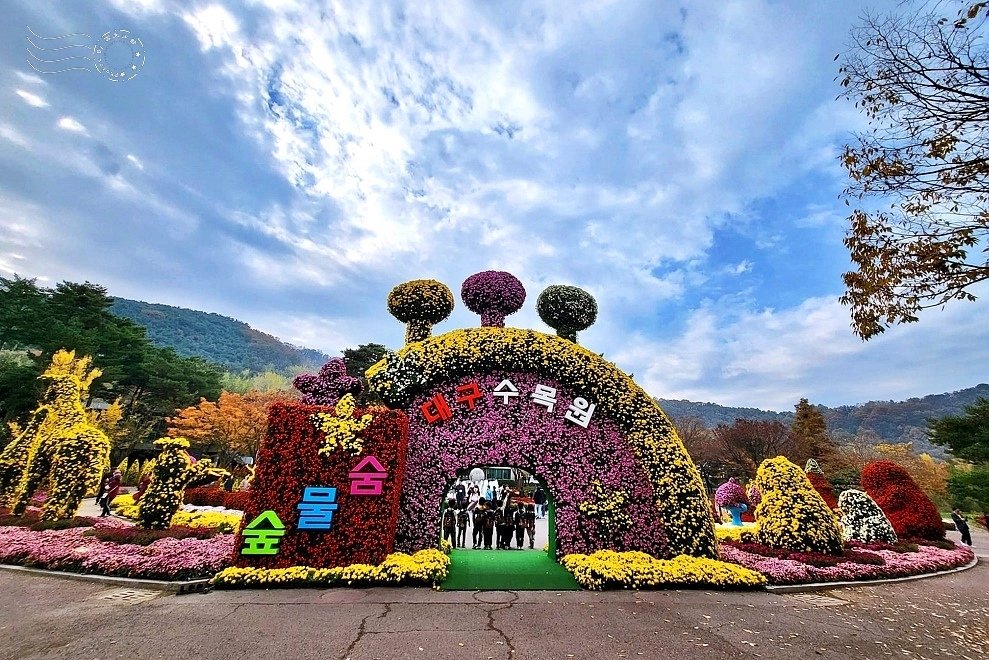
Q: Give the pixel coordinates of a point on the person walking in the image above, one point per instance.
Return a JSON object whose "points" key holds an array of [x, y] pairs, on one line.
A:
{"points": [[962, 526], [110, 490], [461, 492], [450, 523], [477, 536], [539, 497]]}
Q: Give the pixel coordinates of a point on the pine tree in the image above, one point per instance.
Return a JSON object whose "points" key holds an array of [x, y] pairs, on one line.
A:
{"points": [[811, 431]]}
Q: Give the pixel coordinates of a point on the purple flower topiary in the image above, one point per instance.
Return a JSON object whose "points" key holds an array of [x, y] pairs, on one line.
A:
{"points": [[730, 493], [327, 387], [494, 294]]}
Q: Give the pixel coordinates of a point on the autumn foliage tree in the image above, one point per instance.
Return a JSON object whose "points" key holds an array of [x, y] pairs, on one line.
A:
{"points": [[922, 80], [234, 425], [747, 442]]}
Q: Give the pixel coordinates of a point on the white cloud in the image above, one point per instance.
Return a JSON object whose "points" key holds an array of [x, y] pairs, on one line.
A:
{"points": [[31, 98], [72, 125], [214, 26], [30, 78], [136, 161], [11, 134]]}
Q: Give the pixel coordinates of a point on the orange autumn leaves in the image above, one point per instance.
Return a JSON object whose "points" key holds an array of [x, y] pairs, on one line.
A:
{"points": [[235, 424]]}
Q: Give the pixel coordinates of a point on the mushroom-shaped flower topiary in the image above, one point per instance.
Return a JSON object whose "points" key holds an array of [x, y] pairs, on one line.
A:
{"points": [[567, 309], [420, 304], [494, 294], [730, 493]]}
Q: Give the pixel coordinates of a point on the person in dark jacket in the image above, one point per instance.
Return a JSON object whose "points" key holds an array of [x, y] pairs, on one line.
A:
{"points": [[477, 536], [519, 521], [962, 526], [450, 523], [539, 497]]}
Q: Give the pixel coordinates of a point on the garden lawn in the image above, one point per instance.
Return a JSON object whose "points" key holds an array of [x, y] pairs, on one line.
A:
{"points": [[518, 570]]}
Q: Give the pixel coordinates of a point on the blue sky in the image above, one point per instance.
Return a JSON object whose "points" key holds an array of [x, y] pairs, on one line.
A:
{"points": [[287, 163]]}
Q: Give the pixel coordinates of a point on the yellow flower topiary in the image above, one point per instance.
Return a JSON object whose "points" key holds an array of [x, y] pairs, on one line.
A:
{"points": [[792, 515], [59, 444], [173, 471], [341, 428]]}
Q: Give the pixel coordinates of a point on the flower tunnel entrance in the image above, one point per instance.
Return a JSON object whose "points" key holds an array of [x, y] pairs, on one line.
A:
{"points": [[500, 521]]}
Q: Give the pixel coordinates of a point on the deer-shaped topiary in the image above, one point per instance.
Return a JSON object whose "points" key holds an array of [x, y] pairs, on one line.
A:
{"points": [[59, 444]]}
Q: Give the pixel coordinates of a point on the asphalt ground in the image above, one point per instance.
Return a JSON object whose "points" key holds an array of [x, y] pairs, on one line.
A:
{"points": [[45, 617], [941, 617]]}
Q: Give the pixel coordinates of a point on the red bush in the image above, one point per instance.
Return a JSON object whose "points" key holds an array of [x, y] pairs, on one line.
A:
{"points": [[363, 528], [216, 496], [823, 488], [908, 508], [204, 496], [238, 499]]}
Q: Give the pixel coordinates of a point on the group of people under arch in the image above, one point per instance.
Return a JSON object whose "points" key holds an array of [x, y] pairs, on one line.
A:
{"points": [[496, 518]]}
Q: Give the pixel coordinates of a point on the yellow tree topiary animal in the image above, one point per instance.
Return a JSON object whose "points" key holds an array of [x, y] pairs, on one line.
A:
{"points": [[174, 469], [59, 444]]}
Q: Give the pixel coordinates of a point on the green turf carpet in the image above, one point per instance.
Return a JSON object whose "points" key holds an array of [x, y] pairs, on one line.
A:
{"points": [[516, 570]]}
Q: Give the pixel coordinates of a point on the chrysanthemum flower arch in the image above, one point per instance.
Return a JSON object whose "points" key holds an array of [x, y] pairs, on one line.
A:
{"points": [[630, 447]]}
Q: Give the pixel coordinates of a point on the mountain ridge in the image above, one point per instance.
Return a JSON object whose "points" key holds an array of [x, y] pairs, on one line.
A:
{"points": [[231, 343]]}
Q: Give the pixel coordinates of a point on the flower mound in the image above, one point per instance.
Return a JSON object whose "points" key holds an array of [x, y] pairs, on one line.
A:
{"points": [[908, 508], [426, 567], [927, 559], [493, 294], [730, 493], [792, 516], [863, 520], [606, 569], [744, 534], [69, 550]]}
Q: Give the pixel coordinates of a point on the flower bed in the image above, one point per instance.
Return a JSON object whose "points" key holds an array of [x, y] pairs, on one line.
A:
{"points": [[223, 520], [139, 536], [745, 534], [927, 559], [606, 569], [217, 497], [73, 551], [426, 567]]}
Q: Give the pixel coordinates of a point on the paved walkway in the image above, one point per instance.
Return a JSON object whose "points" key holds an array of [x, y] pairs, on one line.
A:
{"points": [[935, 618]]}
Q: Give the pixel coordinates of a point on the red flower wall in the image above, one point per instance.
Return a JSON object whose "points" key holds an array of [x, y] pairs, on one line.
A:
{"points": [[363, 529], [908, 508]]}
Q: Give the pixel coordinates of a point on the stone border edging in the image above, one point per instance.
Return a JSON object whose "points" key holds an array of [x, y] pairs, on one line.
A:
{"points": [[188, 586], [825, 586]]}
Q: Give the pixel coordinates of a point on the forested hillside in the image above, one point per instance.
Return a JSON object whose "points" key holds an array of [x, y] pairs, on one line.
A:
{"points": [[890, 421], [220, 339]]}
